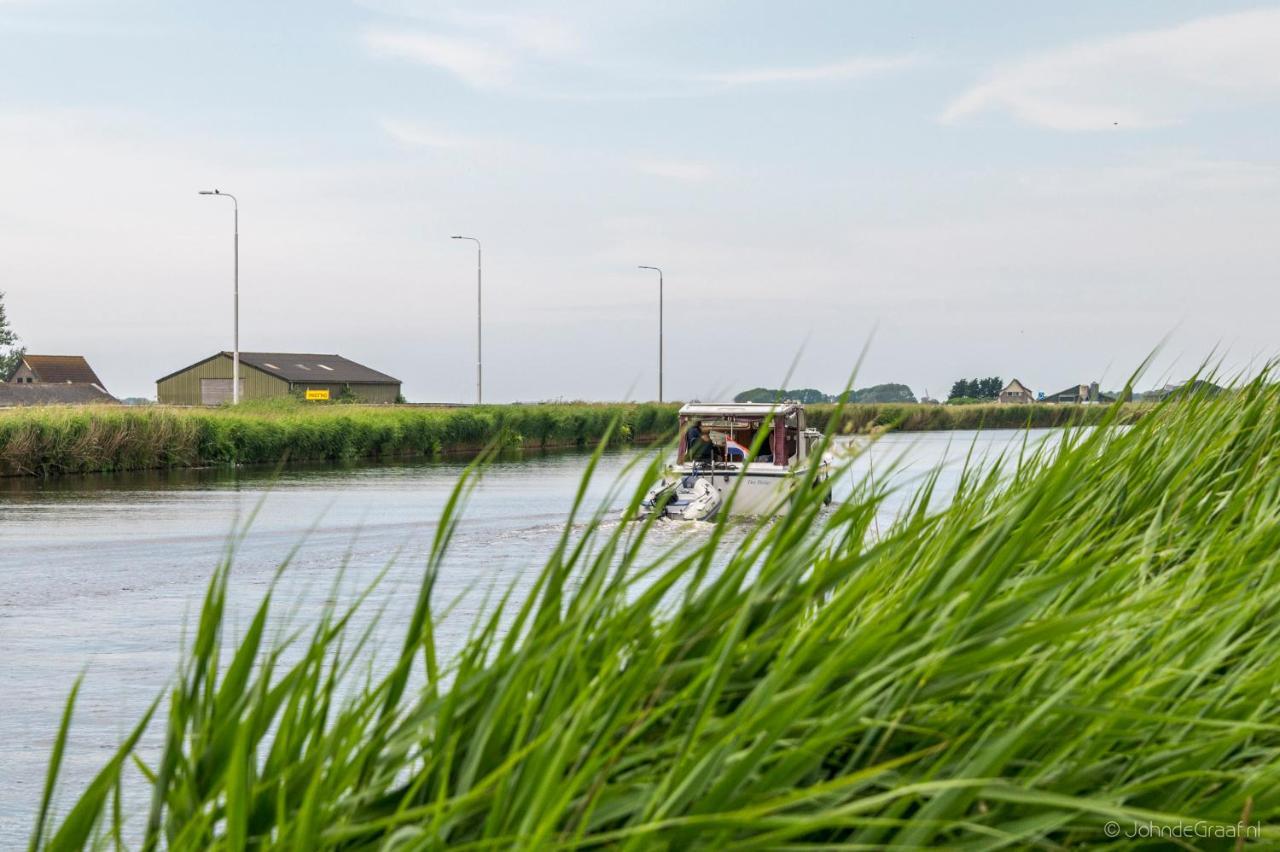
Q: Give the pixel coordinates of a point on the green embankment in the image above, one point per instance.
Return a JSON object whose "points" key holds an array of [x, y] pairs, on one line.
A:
{"points": [[56, 440], [1082, 651], [53, 440], [907, 417]]}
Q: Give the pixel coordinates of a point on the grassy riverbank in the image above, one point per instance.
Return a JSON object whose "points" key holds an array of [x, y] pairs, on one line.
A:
{"points": [[60, 439], [903, 417], [53, 440], [1083, 651]]}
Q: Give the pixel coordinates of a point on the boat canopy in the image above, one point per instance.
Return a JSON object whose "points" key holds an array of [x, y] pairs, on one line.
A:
{"points": [[727, 431], [740, 409]]}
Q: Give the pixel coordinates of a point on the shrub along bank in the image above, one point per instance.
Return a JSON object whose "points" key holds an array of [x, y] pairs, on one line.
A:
{"points": [[858, 419], [59, 439]]}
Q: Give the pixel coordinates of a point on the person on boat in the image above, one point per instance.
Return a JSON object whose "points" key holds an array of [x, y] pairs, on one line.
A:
{"points": [[699, 448]]}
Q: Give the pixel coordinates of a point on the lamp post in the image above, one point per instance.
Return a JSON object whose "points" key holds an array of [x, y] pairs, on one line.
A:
{"points": [[659, 271], [479, 349], [235, 353]]}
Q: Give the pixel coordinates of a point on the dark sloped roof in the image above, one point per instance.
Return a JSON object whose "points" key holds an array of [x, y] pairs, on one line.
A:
{"points": [[62, 368], [1075, 391], [41, 393], [1083, 393], [303, 367]]}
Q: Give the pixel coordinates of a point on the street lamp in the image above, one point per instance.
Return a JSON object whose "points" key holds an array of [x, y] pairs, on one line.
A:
{"points": [[479, 350], [235, 354], [659, 271]]}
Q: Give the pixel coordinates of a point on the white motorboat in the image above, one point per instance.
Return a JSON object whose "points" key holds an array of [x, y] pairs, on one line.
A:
{"points": [[715, 445]]}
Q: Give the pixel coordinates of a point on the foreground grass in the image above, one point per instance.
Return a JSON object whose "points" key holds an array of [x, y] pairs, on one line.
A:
{"points": [[1093, 638], [55, 440]]}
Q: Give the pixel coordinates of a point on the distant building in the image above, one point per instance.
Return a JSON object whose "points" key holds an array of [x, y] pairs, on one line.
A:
{"points": [[1078, 394], [1193, 388], [1016, 393], [39, 393], [53, 380], [264, 375], [54, 369]]}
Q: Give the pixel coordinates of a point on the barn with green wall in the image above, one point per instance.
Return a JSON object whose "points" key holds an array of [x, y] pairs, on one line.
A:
{"points": [[265, 375]]}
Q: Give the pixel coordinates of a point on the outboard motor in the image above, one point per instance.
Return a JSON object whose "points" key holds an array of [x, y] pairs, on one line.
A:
{"points": [[656, 500]]}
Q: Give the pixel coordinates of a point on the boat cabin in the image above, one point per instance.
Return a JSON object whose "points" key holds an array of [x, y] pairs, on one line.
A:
{"points": [[725, 433]]}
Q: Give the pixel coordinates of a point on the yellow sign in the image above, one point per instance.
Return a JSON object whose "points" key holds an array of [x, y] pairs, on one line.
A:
{"points": [[318, 394]]}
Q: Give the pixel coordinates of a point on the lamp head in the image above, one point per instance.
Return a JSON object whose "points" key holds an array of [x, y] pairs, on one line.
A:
{"points": [[208, 192]]}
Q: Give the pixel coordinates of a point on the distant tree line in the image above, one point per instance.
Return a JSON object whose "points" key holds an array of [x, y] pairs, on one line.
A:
{"points": [[976, 389], [808, 396], [890, 392]]}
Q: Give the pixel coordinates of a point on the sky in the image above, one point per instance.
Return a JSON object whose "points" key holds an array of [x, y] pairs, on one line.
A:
{"points": [[918, 192]]}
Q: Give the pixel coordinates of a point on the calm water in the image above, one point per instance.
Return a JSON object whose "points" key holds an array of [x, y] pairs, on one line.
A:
{"points": [[103, 575]]}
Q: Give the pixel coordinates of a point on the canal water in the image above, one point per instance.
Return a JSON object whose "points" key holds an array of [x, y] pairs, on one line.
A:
{"points": [[104, 575]]}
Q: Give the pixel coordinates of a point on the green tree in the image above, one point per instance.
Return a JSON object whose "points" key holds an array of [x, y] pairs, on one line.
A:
{"points": [[808, 396], [10, 352], [891, 392], [989, 388], [976, 390]]}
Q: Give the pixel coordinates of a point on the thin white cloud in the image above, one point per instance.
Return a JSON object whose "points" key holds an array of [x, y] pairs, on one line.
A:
{"points": [[475, 62], [683, 170], [542, 36], [484, 50], [1140, 80], [848, 69], [536, 54], [421, 136], [465, 147]]}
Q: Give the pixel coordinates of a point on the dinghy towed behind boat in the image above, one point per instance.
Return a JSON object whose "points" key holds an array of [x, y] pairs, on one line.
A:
{"points": [[715, 441]]}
